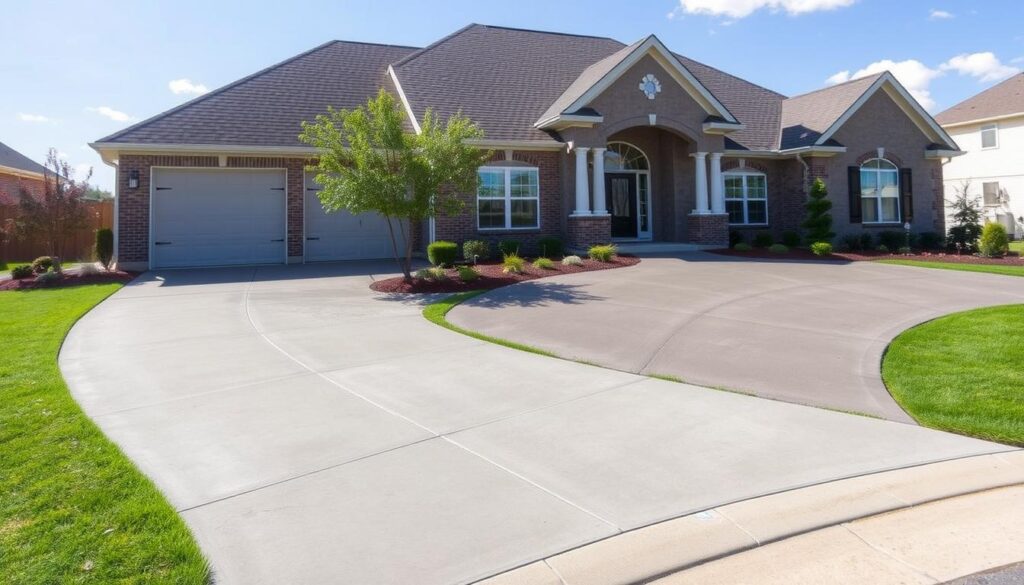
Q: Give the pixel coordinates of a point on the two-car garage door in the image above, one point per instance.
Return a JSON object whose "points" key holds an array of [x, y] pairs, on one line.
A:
{"points": [[221, 217]]}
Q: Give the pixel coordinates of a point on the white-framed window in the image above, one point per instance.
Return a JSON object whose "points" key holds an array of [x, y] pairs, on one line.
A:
{"points": [[879, 191], [746, 197], [990, 193], [989, 136], [508, 198]]}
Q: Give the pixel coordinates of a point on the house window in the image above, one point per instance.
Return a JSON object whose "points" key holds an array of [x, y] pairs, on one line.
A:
{"points": [[990, 193], [990, 136], [880, 192], [746, 198], [508, 198]]}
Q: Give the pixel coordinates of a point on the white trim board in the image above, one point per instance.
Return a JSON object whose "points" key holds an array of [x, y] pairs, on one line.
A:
{"points": [[405, 100]]}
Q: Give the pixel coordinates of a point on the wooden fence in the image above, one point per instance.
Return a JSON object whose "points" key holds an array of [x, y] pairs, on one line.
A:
{"points": [[80, 244]]}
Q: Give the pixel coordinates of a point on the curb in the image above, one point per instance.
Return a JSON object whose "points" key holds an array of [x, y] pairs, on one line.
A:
{"points": [[661, 549]]}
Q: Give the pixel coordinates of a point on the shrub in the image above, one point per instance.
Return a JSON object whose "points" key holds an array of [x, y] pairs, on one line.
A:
{"points": [[866, 241], [852, 242], [602, 252], [544, 264], [513, 264], [468, 274], [743, 247], [892, 239], [550, 247], [965, 218], [433, 273], [994, 241], [905, 250], [507, 247], [572, 261], [442, 253], [48, 278], [42, 264], [821, 248], [791, 239], [476, 250], [104, 246], [735, 237], [763, 240], [23, 271], [778, 248], [930, 240], [882, 248], [89, 269], [819, 221]]}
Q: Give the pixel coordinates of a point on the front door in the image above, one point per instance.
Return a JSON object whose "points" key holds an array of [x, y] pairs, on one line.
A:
{"points": [[620, 191]]}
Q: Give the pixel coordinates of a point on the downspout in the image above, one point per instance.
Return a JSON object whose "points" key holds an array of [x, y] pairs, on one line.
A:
{"points": [[117, 216], [807, 171]]}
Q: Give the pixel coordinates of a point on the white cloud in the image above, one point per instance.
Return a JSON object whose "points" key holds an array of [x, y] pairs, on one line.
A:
{"points": [[744, 8], [939, 15], [985, 66], [180, 86], [913, 74], [33, 117], [108, 112]]}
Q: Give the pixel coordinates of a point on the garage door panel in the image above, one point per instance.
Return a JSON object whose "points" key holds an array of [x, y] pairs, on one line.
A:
{"points": [[341, 235], [218, 217]]}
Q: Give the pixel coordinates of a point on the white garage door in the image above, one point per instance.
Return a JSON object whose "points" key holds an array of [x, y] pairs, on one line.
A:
{"points": [[218, 217], [340, 235]]}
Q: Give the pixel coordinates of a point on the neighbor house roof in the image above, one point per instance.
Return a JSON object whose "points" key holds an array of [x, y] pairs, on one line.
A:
{"points": [[266, 108], [806, 117], [12, 159], [1004, 99]]}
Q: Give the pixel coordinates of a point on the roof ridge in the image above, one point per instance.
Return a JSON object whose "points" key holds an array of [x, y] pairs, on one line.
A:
{"points": [[444, 39], [847, 82], [550, 32], [217, 91], [348, 42], [716, 69], [980, 93]]}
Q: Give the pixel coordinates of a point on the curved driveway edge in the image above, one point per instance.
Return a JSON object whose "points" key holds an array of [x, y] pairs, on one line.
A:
{"points": [[808, 332], [312, 431]]}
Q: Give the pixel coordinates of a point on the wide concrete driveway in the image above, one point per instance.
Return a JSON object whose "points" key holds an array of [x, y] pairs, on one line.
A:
{"points": [[311, 431], [805, 332]]}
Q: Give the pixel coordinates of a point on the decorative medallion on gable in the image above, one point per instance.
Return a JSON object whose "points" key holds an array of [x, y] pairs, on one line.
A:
{"points": [[650, 86]]}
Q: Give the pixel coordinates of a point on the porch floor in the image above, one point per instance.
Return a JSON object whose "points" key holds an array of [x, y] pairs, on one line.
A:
{"points": [[660, 247]]}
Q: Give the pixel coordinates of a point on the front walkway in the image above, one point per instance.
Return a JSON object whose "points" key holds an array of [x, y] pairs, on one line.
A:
{"points": [[808, 332], [312, 431]]}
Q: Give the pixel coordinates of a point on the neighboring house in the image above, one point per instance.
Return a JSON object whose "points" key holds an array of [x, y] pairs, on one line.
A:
{"points": [[18, 172], [990, 128], [594, 141]]}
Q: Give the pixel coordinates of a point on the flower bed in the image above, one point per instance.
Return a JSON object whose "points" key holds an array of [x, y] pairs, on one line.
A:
{"points": [[67, 279], [1011, 259], [491, 276]]}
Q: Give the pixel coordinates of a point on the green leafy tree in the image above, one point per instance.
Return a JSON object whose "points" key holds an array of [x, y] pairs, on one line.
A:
{"points": [[819, 221], [368, 163], [965, 218]]}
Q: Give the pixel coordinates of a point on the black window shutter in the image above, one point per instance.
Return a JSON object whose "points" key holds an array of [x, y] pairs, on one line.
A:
{"points": [[853, 179], [906, 195]]}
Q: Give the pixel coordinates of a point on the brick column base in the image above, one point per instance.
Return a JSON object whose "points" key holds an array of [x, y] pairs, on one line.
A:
{"points": [[585, 231], [708, 229]]}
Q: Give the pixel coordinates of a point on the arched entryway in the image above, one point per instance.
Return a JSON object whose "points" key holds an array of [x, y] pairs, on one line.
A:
{"points": [[627, 176]]}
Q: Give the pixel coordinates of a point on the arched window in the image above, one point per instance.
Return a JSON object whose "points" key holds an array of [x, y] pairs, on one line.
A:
{"points": [[624, 157], [746, 197], [879, 191]]}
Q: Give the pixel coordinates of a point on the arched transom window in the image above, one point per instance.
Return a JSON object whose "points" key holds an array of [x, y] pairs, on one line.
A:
{"points": [[879, 191], [624, 157]]}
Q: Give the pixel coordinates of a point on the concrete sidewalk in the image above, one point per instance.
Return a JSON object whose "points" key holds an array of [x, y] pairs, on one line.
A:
{"points": [[311, 431]]}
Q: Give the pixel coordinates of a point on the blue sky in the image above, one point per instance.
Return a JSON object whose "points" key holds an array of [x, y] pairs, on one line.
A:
{"points": [[77, 71]]}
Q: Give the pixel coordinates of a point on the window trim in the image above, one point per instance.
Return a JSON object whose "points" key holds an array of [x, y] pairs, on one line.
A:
{"points": [[878, 198], [744, 173], [508, 199], [981, 135]]}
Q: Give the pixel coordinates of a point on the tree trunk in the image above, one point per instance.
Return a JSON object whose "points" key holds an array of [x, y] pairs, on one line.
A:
{"points": [[405, 264]]}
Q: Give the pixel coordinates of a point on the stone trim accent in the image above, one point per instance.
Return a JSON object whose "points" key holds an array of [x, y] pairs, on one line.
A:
{"points": [[708, 229]]}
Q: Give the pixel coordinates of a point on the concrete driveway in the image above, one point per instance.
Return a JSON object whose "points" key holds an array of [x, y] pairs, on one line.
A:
{"points": [[805, 332], [311, 431]]}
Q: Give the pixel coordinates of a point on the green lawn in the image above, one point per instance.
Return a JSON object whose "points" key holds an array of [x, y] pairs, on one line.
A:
{"points": [[73, 509], [989, 268], [963, 373], [436, 314]]}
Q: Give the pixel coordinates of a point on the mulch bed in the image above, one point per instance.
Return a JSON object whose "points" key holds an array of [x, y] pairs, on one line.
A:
{"points": [[69, 279], [492, 277], [1011, 259]]}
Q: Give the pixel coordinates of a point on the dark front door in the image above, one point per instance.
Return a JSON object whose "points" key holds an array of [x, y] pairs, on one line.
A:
{"points": [[620, 192]]}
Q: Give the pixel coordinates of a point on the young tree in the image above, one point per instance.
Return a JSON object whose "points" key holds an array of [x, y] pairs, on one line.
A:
{"points": [[369, 163], [54, 215], [966, 218], [819, 221]]}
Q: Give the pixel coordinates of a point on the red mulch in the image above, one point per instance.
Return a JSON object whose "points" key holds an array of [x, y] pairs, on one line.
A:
{"points": [[1010, 259], [68, 280], [491, 277]]}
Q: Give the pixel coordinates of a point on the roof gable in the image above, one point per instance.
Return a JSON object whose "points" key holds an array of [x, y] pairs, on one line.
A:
{"points": [[12, 159], [1001, 100]]}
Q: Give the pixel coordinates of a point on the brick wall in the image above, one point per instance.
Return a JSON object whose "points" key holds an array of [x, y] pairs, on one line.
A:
{"points": [[786, 194], [583, 231], [708, 230], [11, 186]]}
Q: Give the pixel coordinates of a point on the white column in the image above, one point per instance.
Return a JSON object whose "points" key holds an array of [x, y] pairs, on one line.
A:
{"points": [[582, 182], [717, 185], [701, 194], [600, 203]]}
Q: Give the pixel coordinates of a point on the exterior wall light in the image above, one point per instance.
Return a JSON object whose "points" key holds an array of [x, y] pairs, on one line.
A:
{"points": [[133, 180]]}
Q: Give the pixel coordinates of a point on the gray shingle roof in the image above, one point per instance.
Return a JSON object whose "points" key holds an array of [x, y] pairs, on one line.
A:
{"points": [[266, 108], [586, 80], [806, 117], [13, 159], [999, 100]]}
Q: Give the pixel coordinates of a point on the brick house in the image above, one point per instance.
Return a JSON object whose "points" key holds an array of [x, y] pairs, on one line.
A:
{"points": [[593, 141], [18, 172]]}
